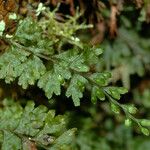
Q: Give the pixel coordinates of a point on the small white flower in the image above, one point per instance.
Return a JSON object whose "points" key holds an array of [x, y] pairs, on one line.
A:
{"points": [[2, 27], [40, 9], [13, 16]]}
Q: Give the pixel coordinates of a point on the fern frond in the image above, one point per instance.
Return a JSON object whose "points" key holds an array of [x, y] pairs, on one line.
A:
{"points": [[36, 55], [21, 127]]}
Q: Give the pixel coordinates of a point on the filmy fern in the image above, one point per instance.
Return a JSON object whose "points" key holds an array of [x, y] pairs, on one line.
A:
{"points": [[36, 54], [23, 128]]}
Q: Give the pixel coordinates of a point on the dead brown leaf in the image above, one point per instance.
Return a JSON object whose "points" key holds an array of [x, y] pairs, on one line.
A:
{"points": [[113, 21]]}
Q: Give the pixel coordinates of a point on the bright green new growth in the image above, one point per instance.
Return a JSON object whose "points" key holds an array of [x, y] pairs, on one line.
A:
{"points": [[21, 128]]}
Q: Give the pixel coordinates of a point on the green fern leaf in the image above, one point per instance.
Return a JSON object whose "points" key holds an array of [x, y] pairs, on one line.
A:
{"points": [[9, 62], [50, 83], [15, 63], [62, 69], [116, 92], [10, 141], [97, 93], [29, 34], [101, 79], [30, 71], [32, 125], [76, 88]]}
